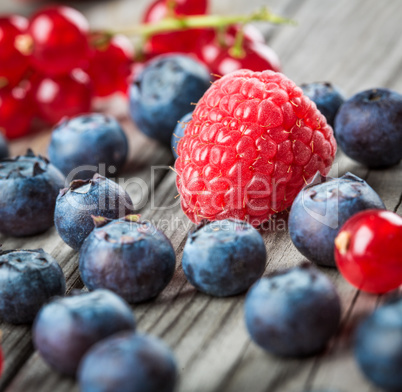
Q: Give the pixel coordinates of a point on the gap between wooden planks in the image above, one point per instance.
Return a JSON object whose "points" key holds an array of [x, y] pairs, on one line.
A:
{"points": [[207, 334], [16, 340]]}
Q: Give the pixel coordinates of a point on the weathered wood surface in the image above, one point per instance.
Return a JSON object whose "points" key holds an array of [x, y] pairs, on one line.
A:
{"points": [[355, 44]]}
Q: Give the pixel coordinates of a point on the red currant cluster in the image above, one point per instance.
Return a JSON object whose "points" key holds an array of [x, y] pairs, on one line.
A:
{"points": [[222, 50], [52, 65]]}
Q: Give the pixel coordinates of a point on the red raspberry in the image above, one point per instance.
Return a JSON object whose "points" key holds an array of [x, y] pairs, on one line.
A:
{"points": [[253, 142]]}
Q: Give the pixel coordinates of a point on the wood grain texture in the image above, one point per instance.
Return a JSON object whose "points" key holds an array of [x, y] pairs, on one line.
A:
{"points": [[144, 155], [355, 44]]}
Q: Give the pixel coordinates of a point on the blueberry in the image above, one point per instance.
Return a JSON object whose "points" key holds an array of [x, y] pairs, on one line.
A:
{"points": [[76, 205], [378, 346], [163, 92], [327, 97], [368, 128], [29, 186], [67, 327], [224, 258], [3, 147], [320, 210], [28, 279], [128, 362], [294, 312], [178, 132], [88, 140], [129, 257]]}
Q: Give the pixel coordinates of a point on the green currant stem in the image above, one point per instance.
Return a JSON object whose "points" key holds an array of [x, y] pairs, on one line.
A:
{"points": [[237, 50], [201, 21], [220, 36], [171, 5], [3, 83], [139, 55], [100, 39]]}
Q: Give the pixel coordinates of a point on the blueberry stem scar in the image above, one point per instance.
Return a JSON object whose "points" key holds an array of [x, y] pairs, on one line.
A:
{"points": [[342, 242]]}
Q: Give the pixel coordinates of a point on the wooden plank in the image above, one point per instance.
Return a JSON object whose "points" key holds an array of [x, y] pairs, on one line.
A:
{"points": [[36, 373], [388, 184], [144, 154], [208, 334], [253, 362], [340, 370], [353, 44]]}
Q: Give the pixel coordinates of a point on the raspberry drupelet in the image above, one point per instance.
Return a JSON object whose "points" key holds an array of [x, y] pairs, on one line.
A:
{"points": [[254, 141]]}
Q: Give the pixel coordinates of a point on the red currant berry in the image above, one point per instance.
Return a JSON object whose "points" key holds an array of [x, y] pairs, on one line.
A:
{"points": [[179, 41], [155, 12], [60, 41], [188, 7], [160, 8], [62, 96], [110, 66], [212, 44], [16, 111], [14, 60], [139, 65], [251, 33], [255, 56], [368, 251]]}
